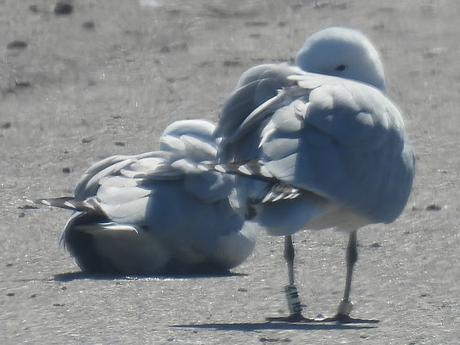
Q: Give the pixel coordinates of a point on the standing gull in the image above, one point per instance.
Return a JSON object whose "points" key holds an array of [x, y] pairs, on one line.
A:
{"points": [[156, 212], [319, 149]]}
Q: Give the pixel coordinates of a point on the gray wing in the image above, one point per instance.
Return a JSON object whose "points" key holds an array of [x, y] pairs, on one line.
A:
{"points": [[125, 185], [340, 139], [256, 86]]}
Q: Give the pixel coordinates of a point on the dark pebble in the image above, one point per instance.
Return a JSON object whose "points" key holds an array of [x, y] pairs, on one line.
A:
{"points": [[242, 290], [165, 49], [433, 207], [10, 294], [58, 304], [120, 143], [17, 45], [28, 207], [9, 265], [376, 245], [63, 8], [22, 84], [229, 63], [5, 125], [274, 340], [66, 170], [21, 215], [254, 23], [33, 295], [88, 25], [33, 8], [87, 140]]}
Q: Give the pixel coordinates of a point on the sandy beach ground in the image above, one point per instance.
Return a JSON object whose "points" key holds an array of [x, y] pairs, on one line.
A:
{"points": [[109, 76]]}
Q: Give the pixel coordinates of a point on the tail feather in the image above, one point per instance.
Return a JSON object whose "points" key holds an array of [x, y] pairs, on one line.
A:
{"points": [[256, 169], [70, 203]]}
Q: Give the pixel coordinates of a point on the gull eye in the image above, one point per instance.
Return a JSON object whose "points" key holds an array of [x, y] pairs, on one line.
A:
{"points": [[340, 68]]}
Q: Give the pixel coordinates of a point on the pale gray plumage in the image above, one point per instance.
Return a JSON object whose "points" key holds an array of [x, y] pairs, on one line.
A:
{"points": [[328, 131], [157, 212]]}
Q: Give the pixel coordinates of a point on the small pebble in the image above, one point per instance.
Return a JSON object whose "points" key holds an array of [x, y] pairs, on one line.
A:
{"points": [[376, 245], [433, 207], [256, 23], [21, 215], [22, 84], [10, 294], [120, 143], [86, 140], [88, 25], [17, 45], [33, 295], [66, 170], [28, 207], [165, 49], [6, 125], [9, 265], [58, 304], [242, 290], [63, 8], [33, 8], [274, 340], [230, 63]]}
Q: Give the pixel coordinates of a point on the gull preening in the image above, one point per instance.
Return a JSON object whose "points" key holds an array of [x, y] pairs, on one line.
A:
{"points": [[157, 212], [318, 145]]}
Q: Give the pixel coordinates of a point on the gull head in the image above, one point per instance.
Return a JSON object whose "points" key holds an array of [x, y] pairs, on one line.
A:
{"points": [[344, 53]]}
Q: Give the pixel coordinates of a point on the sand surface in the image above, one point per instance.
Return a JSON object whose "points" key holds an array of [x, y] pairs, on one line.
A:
{"points": [[107, 78]]}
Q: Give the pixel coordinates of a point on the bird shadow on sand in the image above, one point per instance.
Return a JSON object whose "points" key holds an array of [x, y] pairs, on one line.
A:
{"points": [[79, 275], [278, 326]]}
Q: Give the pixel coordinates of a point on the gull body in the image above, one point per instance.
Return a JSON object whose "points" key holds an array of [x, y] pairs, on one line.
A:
{"points": [[317, 145], [156, 213]]}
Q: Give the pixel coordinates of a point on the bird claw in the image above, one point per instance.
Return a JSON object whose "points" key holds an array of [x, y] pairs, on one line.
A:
{"points": [[345, 308], [298, 317], [338, 318], [344, 318]]}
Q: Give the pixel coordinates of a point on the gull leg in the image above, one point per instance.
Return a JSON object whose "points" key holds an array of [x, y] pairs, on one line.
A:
{"points": [[345, 305], [292, 295]]}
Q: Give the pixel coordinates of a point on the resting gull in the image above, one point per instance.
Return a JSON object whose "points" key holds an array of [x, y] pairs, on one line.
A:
{"points": [[156, 212], [318, 145]]}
